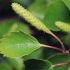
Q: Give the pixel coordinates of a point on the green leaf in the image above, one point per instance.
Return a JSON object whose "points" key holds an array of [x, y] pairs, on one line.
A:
{"points": [[18, 44], [16, 63], [67, 3], [5, 27], [38, 8], [19, 26], [5, 67], [12, 25], [35, 64], [56, 11], [59, 58], [35, 55], [66, 40]]}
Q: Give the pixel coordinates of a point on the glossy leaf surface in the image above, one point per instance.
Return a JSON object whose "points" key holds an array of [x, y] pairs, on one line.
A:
{"points": [[35, 64], [18, 44]]}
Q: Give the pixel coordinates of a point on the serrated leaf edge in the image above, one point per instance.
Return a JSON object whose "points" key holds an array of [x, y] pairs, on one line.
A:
{"points": [[22, 55]]}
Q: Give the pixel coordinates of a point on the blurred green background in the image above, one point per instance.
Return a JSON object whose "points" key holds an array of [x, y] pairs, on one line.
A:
{"points": [[48, 11]]}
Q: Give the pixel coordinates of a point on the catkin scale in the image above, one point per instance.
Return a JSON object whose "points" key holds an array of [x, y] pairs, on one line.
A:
{"points": [[29, 17], [63, 26]]}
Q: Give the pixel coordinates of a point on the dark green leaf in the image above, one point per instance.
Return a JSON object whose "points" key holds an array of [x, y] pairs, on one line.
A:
{"points": [[17, 44], [35, 64], [60, 58], [4, 67], [66, 39]]}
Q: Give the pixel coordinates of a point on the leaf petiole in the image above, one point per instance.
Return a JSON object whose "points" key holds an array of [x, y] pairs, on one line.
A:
{"points": [[61, 64], [59, 41], [52, 47]]}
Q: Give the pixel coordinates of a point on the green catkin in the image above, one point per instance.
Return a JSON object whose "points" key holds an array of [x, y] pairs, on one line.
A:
{"points": [[29, 17], [63, 26]]}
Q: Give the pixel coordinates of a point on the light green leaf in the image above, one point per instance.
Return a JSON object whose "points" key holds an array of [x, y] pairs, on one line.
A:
{"points": [[67, 3], [16, 63], [59, 58], [35, 64], [56, 11], [18, 44]]}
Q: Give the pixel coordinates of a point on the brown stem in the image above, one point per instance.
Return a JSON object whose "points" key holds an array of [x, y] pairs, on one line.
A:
{"points": [[52, 47], [59, 41], [61, 64]]}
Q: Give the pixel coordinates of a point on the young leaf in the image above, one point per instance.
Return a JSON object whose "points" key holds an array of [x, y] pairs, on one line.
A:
{"points": [[63, 26], [35, 64], [21, 11], [18, 44]]}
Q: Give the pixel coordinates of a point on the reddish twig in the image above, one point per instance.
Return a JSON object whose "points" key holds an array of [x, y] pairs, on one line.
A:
{"points": [[59, 41], [52, 47], [61, 64]]}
